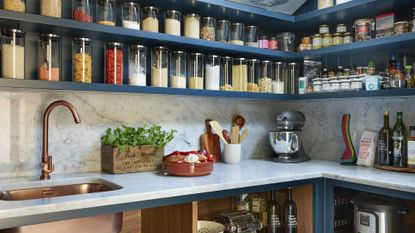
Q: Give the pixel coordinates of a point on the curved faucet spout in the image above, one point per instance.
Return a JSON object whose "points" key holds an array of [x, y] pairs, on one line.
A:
{"points": [[47, 165]]}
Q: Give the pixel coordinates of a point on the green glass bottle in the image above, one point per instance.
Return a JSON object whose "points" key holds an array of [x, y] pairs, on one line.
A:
{"points": [[400, 142], [384, 149], [274, 213], [290, 214]]}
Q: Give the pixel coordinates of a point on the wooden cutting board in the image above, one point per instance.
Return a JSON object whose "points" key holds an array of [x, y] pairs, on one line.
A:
{"points": [[210, 141]]}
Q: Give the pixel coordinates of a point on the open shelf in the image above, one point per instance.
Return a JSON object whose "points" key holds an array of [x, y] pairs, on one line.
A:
{"points": [[358, 94]]}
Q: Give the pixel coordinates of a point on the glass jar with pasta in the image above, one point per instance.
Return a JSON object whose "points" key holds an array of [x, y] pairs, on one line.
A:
{"points": [[52, 8], [82, 60], [14, 5]]}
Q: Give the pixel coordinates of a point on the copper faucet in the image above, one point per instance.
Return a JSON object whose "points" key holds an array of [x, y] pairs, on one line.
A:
{"points": [[47, 165]]}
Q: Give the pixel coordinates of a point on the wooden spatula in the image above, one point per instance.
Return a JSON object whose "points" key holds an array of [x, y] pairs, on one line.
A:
{"points": [[218, 130], [235, 135], [243, 135]]}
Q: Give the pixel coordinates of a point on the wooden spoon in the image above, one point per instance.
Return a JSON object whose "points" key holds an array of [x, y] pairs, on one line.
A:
{"points": [[218, 130], [243, 135], [238, 120], [226, 135]]}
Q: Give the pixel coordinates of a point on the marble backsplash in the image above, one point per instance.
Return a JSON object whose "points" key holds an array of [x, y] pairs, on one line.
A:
{"points": [[76, 148]]}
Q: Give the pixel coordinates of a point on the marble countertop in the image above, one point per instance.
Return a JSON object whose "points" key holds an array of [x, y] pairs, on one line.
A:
{"points": [[152, 185]]}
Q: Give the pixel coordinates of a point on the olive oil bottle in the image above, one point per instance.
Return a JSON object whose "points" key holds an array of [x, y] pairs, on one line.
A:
{"points": [[384, 147], [400, 142], [290, 214], [274, 215]]}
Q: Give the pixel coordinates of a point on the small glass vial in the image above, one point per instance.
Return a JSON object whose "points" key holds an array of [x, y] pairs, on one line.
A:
{"points": [[192, 26], [52, 8], [237, 33], [82, 60], [81, 11], [150, 21], [106, 12], [223, 31], [172, 23], [253, 75], [207, 30], [114, 63], [195, 71], [251, 36], [263, 42], [265, 81], [49, 57], [280, 73], [226, 74], [178, 69], [13, 54], [159, 66], [137, 65], [14, 5], [240, 74], [131, 15], [212, 69]]}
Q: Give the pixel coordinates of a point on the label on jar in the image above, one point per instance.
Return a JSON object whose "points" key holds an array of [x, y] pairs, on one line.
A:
{"points": [[411, 153], [327, 41], [363, 28], [341, 28], [347, 39], [317, 42]]}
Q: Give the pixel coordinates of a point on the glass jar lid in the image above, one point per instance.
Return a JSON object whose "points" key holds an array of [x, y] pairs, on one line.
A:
{"points": [[10, 32], [114, 45], [223, 21], [137, 46], [160, 48], [237, 24], [130, 4], [240, 59], [193, 15], [47, 36], [151, 8], [178, 52]]}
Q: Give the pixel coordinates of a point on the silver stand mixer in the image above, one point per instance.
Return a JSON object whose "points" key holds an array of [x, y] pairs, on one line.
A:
{"points": [[286, 141]]}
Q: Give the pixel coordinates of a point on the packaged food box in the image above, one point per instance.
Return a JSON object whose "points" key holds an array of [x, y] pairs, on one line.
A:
{"points": [[385, 24]]}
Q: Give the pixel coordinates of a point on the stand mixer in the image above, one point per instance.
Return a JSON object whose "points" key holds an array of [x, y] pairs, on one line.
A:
{"points": [[286, 141]]}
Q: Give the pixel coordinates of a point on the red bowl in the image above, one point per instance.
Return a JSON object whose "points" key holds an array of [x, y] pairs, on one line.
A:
{"points": [[188, 169]]}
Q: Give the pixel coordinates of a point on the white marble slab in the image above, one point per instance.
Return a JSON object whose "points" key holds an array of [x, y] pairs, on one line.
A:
{"points": [[151, 185]]}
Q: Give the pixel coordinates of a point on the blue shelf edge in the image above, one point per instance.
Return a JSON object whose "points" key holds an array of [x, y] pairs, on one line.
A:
{"points": [[405, 92]]}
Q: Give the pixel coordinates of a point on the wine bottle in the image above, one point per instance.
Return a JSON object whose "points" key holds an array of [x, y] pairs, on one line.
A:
{"points": [[384, 148], [274, 211], [400, 143], [290, 214]]}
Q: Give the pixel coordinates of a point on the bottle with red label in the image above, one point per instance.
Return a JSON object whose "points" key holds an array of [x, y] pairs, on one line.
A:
{"points": [[113, 63]]}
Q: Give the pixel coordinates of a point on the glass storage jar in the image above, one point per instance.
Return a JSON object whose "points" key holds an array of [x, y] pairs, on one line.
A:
{"points": [[82, 60], [363, 29], [337, 39], [131, 15], [273, 43], [286, 41], [401, 27], [207, 30], [226, 74], [106, 12], [263, 42], [347, 38], [150, 19], [195, 71], [237, 33], [317, 41], [223, 30], [178, 69], [265, 81], [52, 8], [192, 26], [321, 4], [324, 29], [159, 66], [81, 10], [13, 54], [172, 22], [212, 69], [240, 74], [280, 73], [14, 5], [113, 63], [49, 57], [137, 65], [293, 75], [253, 75], [341, 28], [327, 40], [251, 36]]}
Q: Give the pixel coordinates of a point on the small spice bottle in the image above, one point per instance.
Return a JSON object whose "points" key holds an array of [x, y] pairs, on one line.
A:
{"points": [[223, 30], [82, 60], [172, 23], [273, 43], [81, 11], [192, 26], [178, 69], [237, 33], [207, 30], [113, 63], [131, 15], [263, 42], [226, 74], [150, 21], [14, 5], [49, 53], [137, 65], [13, 54], [106, 12], [52, 8]]}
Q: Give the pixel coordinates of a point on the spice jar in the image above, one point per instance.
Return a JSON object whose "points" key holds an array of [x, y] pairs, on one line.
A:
{"points": [[207, 31], [324, 29], [212, 76], [317, 41], [337, 39], [12, 54], [113, 63], [263, 42], [265, 82], [347, 38], [317, 86], [178, 69], [356, 84], [81, 11], [251, 36], [280, 72], [341, 28], [223, 30], [137, 65], [150, 21], [131, 15], [159, 66], [240, 74], [253, 75], [327, 40], [363, 29], [14, 5], [192, 26], [334, 85], [371, 69], [106, 12], [273, 43], [237, 33], [49, 57], [226, 74], [195, 71], [345, 84], [172, 23], [286, 41], [82, 60], [52, 8], [321, 4], [326, 87], [401, 27]]}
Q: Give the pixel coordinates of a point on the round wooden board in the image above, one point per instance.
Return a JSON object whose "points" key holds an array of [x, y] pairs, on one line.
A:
{"points": [[395, 169]]}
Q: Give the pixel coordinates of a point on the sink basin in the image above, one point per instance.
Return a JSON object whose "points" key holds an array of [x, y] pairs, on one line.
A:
{"points": [[58, 191], [109, 223]]}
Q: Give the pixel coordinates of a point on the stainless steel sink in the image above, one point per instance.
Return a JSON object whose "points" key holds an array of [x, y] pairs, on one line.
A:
{"points": [[110, 223]]}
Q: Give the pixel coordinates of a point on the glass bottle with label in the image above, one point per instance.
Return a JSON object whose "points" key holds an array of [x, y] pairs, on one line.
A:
{"points": [[384, 149], [290, 214], [274, 213], [411, 147], [399, 139], [258, 208]]}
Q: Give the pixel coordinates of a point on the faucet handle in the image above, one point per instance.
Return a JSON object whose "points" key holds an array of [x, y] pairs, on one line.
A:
{"points": [[48, 167]]}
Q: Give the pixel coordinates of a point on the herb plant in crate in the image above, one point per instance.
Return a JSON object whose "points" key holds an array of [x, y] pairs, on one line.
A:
{"points": [[128, 149]]}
